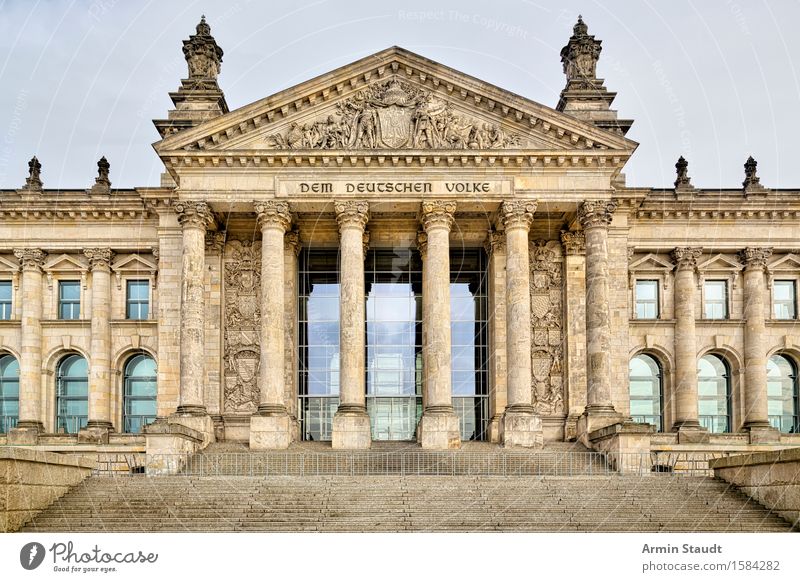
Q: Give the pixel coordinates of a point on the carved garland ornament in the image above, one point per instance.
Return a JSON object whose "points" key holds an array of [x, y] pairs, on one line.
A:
{"points": [[393, 115], [242, 321], [546, 327]]}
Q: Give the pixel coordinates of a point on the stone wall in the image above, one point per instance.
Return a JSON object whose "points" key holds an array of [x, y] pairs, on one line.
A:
{"points": [[31, 480], [772, 479]]}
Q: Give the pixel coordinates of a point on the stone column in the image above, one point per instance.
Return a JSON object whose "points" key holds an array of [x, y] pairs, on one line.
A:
{"points": [[521, 425], [194, 218], [574, 245], [686, 419], [756, 415], [495, 246], [595, 217], [438, 427], [30, 364], [351, 427], [271, 426], [100, 388], [291, 250]]}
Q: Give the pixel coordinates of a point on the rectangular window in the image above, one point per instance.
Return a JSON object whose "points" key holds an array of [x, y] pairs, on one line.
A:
{"points": [[138, 300], [69, 299], [784, 294], [716, 300], [647, 299], [5, 299]]}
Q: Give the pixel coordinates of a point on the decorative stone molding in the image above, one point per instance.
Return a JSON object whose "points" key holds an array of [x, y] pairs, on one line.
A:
{"points": [[102, 184], [682, 180], [495, 243], [579, 58], [273, 213], [215, 241], [752, 183], [99, 259], [517, 213], [33, 183], [755, 257], [194, 214], [31, 259], [155, 251], [686, 257], [438, 214], [574, 242], [422, 243], [291, 242], [351, 213], [596, 213], [365, 241], [203, 55]]}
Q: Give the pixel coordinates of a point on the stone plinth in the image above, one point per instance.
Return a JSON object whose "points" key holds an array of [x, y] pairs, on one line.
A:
{"points": [[270, 431], [439, 430], [351, 430], [169, 445], [626, 444], [522, 429]]}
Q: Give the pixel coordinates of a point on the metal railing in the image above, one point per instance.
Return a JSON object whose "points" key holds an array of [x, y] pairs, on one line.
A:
{"points": [[785, 423], [715, 423], [7, 423], [403, 463]]}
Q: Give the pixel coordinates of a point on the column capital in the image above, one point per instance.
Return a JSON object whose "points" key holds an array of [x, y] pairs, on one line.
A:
{"points": [[291, 242], [437, 213], [31, 259], [215, 241], [351, 213], [685, 258], [517, 213], [596, 213], [273, 213], [99, 258], [755, 257], [194, 214], [574, 242], [495, 243]]}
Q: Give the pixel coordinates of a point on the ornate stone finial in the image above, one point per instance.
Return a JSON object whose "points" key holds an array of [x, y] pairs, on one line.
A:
{"points": [[353, 213], [99, 258], [215, 241], [273, 213], [102, 185], [422, 243], [579, 58], [682, 169], [574, 242], [495, 242], [202, 54], [755, 257], [194, 214], [593, 213], [686, 257], [34, 180], [291, 242], [438, 213], [31, 259], [517, 213], [752, 183]]}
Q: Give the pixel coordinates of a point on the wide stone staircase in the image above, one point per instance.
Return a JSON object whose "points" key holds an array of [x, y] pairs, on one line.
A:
{"points": [[403, 502]]}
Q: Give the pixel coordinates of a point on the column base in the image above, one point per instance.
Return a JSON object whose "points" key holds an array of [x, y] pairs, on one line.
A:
{"points": [[438, 429], [594, 418], [191, 410], [690, 432], [522, 427], [351, 428], [762, 433], [25, 433], [270, 431], [95, 432], [201, 423], [494, 429]]}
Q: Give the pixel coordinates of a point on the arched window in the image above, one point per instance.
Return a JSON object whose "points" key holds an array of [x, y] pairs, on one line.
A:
{"points": [[139, 407], [72, 394], [783, 397], [645, 390], [714, 394], [9, 392]]}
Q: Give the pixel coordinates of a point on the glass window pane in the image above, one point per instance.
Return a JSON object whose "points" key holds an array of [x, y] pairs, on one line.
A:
{"points": [[5, 290], [70, 290]]}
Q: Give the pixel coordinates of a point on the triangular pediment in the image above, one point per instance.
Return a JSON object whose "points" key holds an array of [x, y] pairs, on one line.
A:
{"points": [[134, 263], [66, 263], [8, 265], [790, 262], [719, 262], [394, 100], [651, 262]]}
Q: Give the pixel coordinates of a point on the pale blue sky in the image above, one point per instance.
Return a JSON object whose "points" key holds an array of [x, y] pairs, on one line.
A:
{"points": [[714, 80]]}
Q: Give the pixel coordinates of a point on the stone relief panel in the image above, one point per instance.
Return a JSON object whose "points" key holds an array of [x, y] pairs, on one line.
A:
{"points": [[547, 324], [242, 264], [392, 115]]}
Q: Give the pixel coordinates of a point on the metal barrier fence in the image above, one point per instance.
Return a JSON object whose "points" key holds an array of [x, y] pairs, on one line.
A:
{"points": [[402, 463]]}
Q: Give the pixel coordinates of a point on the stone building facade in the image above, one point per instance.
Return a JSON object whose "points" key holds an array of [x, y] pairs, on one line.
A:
{"points": [[398, 251]]}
